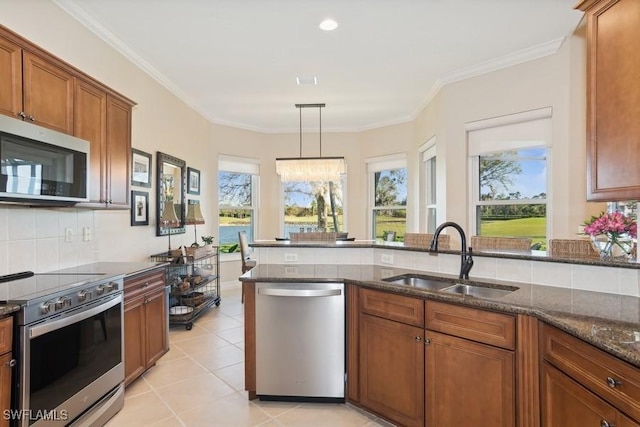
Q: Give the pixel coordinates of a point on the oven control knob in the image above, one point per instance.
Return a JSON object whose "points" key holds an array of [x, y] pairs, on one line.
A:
{"points": [[100, 289], [112, 286], [46, 307], [83, 295], [63, 302]]}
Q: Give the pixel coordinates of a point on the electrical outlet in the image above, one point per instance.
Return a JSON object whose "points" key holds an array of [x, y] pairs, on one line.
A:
{"points": [[290, 257], [386, 258], [68, 235], [86, 234], [291, 270]]}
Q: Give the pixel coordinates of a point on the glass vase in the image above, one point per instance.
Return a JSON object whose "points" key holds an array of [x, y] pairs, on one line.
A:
{"points": [[614, 248]]}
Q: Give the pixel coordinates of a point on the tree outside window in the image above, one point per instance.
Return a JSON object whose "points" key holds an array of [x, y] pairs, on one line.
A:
{"points": [[390, 205], [512, 199], [235, 201], [313, 206]]}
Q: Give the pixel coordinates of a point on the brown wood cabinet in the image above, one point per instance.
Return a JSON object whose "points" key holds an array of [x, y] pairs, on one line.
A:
{"points": [[597, 375], [38, 87], [392, 369], [6, 366], [613, 99], [470, 365], [468, 383], [145, 322], [105, 122], [33, 88], [566, 403]]}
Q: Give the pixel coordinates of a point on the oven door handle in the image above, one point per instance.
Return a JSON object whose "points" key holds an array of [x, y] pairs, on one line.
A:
{"points": [[36, 331]]}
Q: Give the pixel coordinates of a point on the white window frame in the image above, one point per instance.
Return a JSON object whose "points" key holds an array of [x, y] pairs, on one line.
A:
{"points": [[245, 165], [428, 182], [378, 164], [523, 130]]}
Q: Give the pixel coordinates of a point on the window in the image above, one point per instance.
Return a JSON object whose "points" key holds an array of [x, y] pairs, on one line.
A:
{"points": [[509, 172], [388, 195], [313, 206], [428, 189], [237, 200]]}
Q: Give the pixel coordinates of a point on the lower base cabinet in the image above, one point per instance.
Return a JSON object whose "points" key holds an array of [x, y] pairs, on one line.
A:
{"points": [[566, 403], [7, 364], [392, 370], [468, 383], [145, 323]]}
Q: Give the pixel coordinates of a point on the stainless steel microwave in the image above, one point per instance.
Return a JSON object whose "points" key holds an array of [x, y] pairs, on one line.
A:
{"points": [[41, 166]]}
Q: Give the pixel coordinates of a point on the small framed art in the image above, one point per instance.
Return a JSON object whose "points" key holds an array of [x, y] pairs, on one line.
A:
{"points": [[140, 168], [139, 208], [193, 181]]}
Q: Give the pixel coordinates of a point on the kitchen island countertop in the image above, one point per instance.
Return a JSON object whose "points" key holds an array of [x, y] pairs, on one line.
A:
{"points": [[608, 321]]}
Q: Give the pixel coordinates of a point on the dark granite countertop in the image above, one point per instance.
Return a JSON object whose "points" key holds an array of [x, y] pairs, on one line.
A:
{"points": [[7, 309], [608, 321], [523, 255]]}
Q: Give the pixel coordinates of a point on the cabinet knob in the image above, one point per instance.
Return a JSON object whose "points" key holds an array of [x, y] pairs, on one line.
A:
{"points": [[22, 115], [11, 363], [33, 119], [605, 423], [612, 382], [427, 341], [418, 339]]}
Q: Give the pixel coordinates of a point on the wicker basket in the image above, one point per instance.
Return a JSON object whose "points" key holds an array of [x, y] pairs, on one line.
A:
{"points": [[193, 299]]}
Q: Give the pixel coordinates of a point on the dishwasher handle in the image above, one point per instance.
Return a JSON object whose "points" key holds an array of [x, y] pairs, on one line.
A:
{"points": [[279, 292]]}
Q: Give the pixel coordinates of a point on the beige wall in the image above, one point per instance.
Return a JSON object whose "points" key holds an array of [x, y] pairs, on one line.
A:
{"points": [[162, 122]]}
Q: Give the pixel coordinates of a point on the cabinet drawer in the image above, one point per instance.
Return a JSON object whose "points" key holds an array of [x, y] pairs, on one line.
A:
{"points": [[393, 307], [607, 376], [475, 324], [137, 285], [6, 335]]}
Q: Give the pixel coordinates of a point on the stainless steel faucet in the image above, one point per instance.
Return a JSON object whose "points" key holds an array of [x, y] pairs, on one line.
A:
{"points": [[466, 258]]}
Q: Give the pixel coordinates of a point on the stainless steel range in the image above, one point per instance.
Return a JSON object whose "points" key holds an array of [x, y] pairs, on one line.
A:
{"points": [[69, 347]]}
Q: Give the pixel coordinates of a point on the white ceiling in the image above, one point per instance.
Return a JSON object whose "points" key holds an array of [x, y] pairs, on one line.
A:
{"points": [[236, 61]]}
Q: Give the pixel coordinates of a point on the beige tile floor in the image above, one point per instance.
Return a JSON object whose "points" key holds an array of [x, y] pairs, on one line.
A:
{"points": [[200, 382]]}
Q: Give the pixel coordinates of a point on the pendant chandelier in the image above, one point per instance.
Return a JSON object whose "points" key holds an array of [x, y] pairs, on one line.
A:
{"points": [[310, 168]]}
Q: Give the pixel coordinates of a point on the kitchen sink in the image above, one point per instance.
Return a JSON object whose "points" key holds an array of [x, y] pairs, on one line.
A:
{"points": [[419, 282], [479, 291]]}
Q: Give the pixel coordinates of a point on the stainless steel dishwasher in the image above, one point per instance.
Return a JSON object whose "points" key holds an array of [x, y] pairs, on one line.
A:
{"points": [[300, 341]]}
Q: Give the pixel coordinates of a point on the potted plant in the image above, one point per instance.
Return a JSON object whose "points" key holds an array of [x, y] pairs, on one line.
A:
{"points": [[208, 241]]}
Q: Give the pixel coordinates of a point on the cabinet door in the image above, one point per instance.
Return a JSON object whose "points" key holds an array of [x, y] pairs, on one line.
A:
{"points": [[468, 384], [48, 94], [134, 339], [156, 325], [613, 99], [392, 369], [118, 152], [10, 78], [6, 371], [565, 403], [90, 124]]}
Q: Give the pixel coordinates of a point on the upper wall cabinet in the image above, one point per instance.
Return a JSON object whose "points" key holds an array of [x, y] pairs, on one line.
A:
{"points": [[35, 90], [105, 121], [613, 99], [38, 87]]}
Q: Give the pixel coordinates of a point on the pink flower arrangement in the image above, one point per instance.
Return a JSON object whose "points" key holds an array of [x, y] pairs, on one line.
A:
{"points": [[611, 224]]}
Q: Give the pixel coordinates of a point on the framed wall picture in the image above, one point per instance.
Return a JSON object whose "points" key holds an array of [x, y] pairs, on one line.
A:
{"points": [[140, 168], [139, 208], [193, 181]]}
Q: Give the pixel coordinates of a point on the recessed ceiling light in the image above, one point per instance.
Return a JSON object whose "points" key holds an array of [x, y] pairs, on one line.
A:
{"points": [[312, 80], [328, 25]]}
